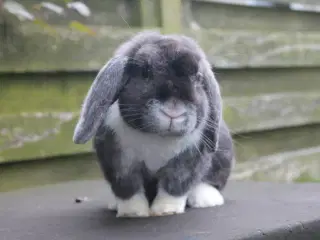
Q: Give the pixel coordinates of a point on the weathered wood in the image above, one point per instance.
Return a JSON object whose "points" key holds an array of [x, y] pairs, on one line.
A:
{"points": [[38, 114], [38, 135], [299, 165], [254, 145], [210, 14], [48, 171], [117, 13], [31, 93], [253, 82], [38, 111], [294, 155], [150, 15], [309, 2], [289, 154], [295, 4], [34, 50], [171, 16], [245, 114], [239, 49], [123, 13]]}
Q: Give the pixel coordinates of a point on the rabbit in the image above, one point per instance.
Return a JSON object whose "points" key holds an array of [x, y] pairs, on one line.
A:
{"points": [[154, 112]]}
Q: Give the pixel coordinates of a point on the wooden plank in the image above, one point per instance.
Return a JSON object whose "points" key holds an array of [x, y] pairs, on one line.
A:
{"points": [[38, 135], [55, 92], [38, 113], [253, 82], [308, 2], [171, 16], [127, 13], [255, 145], [48, 171], [150, 14], [117, 13], [293, 5], [299, 162], [295, 166], [35, 50], [240, 49], [31, 49], [299, 165], [212, 14], [287, 154], [269, 111]]}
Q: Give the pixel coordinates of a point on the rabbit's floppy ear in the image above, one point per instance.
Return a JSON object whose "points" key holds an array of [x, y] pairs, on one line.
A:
{"points": [[101, 95], [215, 101]]}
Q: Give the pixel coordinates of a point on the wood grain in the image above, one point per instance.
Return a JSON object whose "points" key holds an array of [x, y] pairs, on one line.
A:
{"points": [[211, 14], [33, 50], [298, 165], [39, 112], [293, 156], [118, 13]]}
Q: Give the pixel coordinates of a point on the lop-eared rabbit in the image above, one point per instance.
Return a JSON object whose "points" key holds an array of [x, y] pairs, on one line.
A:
{"points": [[154, 112]]}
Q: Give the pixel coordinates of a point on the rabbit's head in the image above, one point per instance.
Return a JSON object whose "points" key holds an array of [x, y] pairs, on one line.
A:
{"points": [[162, 84]]}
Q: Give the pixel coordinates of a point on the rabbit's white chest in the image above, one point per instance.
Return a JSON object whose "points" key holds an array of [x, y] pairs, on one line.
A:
{"points": [[155, 153], [154, 150]]}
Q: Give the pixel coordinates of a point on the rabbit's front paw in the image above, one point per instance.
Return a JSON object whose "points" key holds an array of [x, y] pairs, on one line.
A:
{"points": [[205, 195], [165, 204], [137, 206]]}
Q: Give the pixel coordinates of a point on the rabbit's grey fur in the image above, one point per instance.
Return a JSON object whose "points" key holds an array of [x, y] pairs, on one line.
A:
{"points": [[154, 164]]}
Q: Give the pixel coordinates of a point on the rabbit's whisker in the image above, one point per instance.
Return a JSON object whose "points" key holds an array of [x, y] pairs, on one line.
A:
{"points": [[208, 141], [212, 124], [147, 125], [134, 119], [127, 104], [137, 116], [130, 110], [195, 144]]}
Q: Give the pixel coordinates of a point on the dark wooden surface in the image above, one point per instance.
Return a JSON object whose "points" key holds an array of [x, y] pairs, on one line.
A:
{"points": [[256, 211]]}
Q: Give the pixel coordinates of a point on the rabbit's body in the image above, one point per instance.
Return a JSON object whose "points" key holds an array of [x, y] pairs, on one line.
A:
{"points": [[147, 154], [156, 113]]}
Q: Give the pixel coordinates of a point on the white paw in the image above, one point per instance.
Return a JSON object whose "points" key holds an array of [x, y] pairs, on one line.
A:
{"points": [[137, 206], [111, 198], [165, 204], [205, 195]]}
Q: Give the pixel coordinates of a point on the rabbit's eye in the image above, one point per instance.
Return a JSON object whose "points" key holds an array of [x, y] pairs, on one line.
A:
{"points": [[133, 68], [146, 71]]}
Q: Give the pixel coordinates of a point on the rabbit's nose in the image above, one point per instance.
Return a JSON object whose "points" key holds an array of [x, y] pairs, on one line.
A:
{"points": [[173, 113]]}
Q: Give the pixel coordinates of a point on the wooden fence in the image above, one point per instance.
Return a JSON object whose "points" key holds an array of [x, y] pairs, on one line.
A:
{"points": [[266, 58]]}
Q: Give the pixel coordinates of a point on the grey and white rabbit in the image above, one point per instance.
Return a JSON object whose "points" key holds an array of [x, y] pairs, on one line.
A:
{"points": [[155, 113]]}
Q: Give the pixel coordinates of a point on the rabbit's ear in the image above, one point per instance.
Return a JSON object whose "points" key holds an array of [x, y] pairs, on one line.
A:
{"points": [[215, 101], [101, 95]]}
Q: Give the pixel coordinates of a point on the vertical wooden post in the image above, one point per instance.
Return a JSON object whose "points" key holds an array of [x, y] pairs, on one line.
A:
{"points": [[150, 13], [171, 16]]}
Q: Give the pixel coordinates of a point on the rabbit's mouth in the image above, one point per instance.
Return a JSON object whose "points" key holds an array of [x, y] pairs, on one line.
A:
{"points": [[172, 122], [172, 117], [167, 119]]}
